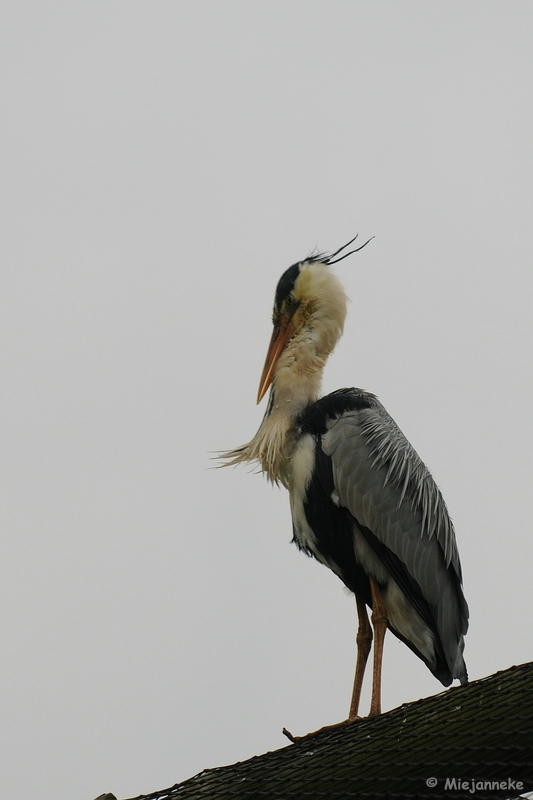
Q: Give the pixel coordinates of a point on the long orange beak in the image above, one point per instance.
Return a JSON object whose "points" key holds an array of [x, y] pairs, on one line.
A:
{"points": [[280, 336]]}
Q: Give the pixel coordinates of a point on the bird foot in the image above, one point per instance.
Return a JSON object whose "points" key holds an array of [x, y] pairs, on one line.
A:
{"points": [[311, 735]]}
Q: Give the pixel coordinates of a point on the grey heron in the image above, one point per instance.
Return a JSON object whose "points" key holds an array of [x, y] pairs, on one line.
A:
{"points": [[362, 501]]}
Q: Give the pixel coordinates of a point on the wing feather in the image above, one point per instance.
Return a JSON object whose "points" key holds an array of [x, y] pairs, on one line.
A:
{"points": [[385, 485], [369, 436]]}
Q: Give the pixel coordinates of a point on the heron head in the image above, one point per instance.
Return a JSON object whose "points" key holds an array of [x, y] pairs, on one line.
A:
{"points": [[309, 306]]}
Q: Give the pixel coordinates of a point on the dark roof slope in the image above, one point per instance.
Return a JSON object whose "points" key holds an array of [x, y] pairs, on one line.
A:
{"points": [[483, 731]]}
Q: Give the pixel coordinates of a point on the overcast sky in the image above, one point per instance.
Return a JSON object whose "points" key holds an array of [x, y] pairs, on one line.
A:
{"points": [[162, 163]]}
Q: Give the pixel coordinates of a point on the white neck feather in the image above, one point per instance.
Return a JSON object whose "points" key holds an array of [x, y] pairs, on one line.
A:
{"points": [[297, 378]]}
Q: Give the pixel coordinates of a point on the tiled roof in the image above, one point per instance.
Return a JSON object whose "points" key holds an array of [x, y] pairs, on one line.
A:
{"points": [[483, 731]]}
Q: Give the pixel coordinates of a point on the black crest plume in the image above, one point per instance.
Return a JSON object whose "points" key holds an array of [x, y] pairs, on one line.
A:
{"points": [[324, 258]]}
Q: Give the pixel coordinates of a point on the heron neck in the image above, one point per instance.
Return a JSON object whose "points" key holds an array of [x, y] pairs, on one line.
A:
{"points": [[296, 384], [297, 379]]}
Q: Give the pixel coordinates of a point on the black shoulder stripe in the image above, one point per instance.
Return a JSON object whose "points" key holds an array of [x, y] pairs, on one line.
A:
{"points": [[333, 528], [315, 417]]}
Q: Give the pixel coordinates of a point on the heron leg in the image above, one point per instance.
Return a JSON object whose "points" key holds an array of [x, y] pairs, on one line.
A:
{"points": [[379, 621], [364, 643]]}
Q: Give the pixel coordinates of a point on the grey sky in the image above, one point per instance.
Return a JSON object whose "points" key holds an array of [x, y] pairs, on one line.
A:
{"points": [[162, 164]]}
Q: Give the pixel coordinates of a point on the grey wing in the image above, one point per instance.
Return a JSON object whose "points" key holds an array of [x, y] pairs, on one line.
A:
{"points": [[381, 480]]}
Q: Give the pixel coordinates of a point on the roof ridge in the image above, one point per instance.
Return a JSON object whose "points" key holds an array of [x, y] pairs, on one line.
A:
{"points": [[482, 730]]}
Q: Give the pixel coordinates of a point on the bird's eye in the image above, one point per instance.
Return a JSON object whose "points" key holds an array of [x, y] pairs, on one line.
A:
{"points": [[289, 302]]}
